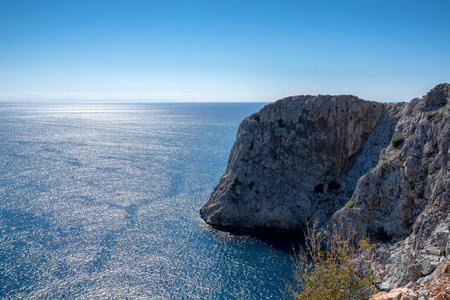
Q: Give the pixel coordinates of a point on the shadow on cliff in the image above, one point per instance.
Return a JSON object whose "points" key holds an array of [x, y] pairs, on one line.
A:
{"points": [[283, 241]]}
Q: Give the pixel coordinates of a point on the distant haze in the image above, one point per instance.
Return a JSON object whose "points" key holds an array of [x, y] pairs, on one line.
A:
{"points": [[206, 51]]}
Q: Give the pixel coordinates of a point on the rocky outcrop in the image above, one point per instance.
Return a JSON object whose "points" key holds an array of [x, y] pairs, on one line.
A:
{"points": [[435, 290], [287, 162], [438, 289], [380, 168], [405, 199]]}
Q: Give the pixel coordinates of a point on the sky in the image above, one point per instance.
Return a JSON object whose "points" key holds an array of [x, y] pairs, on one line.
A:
{"points": [[156, 51]]}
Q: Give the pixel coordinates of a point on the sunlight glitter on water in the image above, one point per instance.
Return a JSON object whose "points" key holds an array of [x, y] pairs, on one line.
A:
{"points": [[101, 201]]}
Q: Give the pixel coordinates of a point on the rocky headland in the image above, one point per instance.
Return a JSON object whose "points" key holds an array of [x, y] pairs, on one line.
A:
{"points": [[382, 169]]}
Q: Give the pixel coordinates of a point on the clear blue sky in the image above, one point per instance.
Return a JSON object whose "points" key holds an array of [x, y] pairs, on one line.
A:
{"points": [[221, 50]]}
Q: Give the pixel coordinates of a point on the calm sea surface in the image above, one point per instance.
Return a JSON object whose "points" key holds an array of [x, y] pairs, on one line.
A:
{"points": [[102, 202]]}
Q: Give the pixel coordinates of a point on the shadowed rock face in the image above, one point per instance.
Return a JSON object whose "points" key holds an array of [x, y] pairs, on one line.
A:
{"points": [[288, 161], [305, 156]]}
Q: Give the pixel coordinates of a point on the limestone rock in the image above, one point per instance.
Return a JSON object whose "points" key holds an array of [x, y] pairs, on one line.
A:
{"points": [[435, 290], [406, 198], [396, 294], [287, 162], [305, 157]]}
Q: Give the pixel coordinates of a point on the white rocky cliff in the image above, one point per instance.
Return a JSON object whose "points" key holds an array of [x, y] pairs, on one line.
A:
{"points": [[405, 199], [332, 158], [288, 159]]}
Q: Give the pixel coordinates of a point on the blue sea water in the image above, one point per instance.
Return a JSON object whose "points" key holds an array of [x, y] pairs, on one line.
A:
{"points": [[102, 202]]}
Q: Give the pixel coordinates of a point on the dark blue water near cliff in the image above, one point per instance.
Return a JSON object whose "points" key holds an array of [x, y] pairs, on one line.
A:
{"points": [[102, 201]]}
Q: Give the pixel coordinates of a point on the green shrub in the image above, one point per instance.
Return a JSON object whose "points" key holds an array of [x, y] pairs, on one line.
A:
{"points": [[256, 117], [350, 204], [397, 141], [430, 116], [333, 267], [433, 116], [435, 143]]}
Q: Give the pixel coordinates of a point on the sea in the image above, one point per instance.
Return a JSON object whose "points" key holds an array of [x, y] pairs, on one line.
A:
{"points": [[101, 201]]}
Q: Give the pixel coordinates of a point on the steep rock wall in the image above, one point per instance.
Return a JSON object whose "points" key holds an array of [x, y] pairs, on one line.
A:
{"points": [[305, 157], [405, 199], [288, 160]]}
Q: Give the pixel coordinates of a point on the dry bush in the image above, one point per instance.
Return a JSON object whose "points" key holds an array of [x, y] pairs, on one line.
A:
{"points": [[333, 265]]}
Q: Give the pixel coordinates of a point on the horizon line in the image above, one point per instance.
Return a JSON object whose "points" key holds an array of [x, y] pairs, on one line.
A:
{"points": [[151, 97]]}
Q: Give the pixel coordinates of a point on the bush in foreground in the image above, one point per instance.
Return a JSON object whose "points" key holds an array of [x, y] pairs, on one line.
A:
{"points": [[332, 267]]}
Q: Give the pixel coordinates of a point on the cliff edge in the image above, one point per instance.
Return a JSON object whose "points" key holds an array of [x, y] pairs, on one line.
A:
{"points": [[380, 168]]}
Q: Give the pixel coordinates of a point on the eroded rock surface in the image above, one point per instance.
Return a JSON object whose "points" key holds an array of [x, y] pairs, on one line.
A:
{"points": [[287, 162], [405, 199], [331, 158], [438, 289]]}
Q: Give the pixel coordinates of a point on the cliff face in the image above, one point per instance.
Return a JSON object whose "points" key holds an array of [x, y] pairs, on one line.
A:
{"points": [[305, 157], [406, 197], [288, 161]]}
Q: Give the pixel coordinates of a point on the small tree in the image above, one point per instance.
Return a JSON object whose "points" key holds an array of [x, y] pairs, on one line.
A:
{"points": [[333, 266]]}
